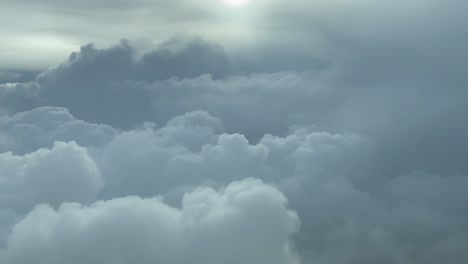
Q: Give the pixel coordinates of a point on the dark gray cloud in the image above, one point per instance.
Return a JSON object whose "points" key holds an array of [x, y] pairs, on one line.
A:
{"points": [[16, 97], [96, 83], [17, 76]]}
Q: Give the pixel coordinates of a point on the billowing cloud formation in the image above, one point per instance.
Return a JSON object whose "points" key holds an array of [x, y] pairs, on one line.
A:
{"points": [[95, 82], [63, 173], [245, 222], [354, 112], [41, 127], [350, 211], [99, 83]]}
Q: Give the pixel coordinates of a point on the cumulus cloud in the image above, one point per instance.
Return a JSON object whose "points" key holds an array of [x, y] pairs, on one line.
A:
{"points": [[116, 78], [29, 130], [63, 173], [110, 80], [350, 210], [354, 112], [245, 222], [329, 179], [124, 86]]}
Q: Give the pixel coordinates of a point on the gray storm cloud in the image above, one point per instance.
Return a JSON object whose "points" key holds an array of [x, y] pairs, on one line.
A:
{"points": [[284, 132]]}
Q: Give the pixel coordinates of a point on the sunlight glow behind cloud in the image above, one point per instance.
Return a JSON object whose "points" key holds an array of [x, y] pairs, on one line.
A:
{"points": [[236, 2]]}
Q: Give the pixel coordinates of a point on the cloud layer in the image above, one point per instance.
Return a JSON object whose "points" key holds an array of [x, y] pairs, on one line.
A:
{"points": [[350, 212], [282, 132]]}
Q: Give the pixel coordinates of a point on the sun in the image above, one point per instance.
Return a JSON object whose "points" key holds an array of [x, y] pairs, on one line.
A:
{"points": [[235, 2]]}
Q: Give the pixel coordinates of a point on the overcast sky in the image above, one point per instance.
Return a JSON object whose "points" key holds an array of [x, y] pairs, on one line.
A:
{"points": [[212, 131]]}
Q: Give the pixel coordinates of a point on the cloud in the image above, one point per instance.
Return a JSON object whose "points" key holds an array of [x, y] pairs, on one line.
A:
{"points": [[247, 221], [123, 86], [349, 208], [354, 111], [330, 180], [112, 79], [151, 160], [137, 99], [17, 76], [16, 97], [27, 131], [46, 42], [386, 39], [63, 173]]}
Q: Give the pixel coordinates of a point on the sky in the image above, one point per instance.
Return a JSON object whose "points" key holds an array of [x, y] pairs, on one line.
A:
{"points": [[226, 132]]}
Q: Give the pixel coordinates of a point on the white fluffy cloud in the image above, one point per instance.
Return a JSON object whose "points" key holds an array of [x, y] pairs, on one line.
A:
{"points": [[60, 174], [64, 173], [245, 222]]}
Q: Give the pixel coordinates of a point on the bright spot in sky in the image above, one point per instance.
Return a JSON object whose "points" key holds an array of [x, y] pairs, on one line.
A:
{"points": [[236, 2]]}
